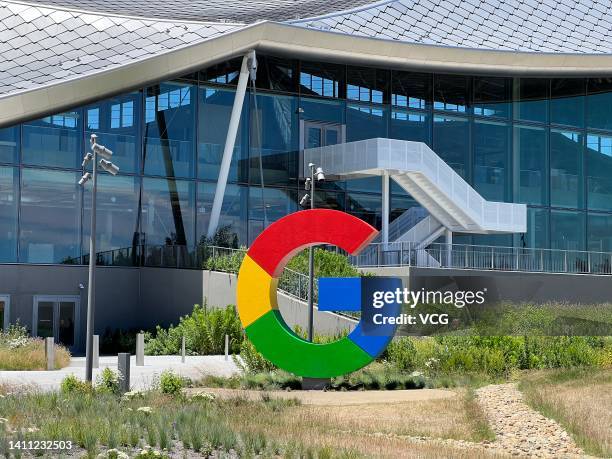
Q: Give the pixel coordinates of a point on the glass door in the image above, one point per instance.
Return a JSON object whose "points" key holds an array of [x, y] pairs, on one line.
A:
{"points": [[320, 134], [57, 317], [5, 303]]}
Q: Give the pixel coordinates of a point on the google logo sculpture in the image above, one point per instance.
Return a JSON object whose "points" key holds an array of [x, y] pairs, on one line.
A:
{"points": [[257, 301]]}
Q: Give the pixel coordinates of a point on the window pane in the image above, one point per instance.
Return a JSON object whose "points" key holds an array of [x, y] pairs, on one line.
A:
{"points": [[411, 90], [226, 72], [599, 168], [566, 230], [9, 145], [531, 95], [233, 211], [54, 141], [66, 323], [567, 101], [2, 310], [451, 142], [491, 160], [600, 236], [451, 92], [537, 230], [9, 180], [169, 130], [117, 213], [116, 121], [268, 205], [332, 111], [530, 158], [599, 103], [215, 111], [322, 79], [367, 85], [50, 211], [45, 319], [168, 212], [368, 207], [566, 168], [492, 96], [365, 122], [407, 125], [276, 73], [274, 140]]}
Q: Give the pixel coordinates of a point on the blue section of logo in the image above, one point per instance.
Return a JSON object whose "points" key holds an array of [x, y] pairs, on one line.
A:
{"points": [[372, 318], [357, 294], [340, 294]]}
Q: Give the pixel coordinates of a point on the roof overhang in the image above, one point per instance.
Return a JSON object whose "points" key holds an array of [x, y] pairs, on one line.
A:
{"points": [[292, 41]]}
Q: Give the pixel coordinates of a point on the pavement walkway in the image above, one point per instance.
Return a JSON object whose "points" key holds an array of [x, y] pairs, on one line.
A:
{"points": [[141, 378]]}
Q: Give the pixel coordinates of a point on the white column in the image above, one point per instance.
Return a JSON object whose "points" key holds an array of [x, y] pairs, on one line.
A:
{"points": [[449, 248], [230, 141], [385, 209]]}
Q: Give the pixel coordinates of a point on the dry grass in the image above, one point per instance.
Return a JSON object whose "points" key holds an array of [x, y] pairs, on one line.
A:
{"points": [[31, 356], [580, 400], [381, 430]]}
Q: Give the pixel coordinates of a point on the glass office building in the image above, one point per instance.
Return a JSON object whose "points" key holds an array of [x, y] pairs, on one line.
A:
{"points": [[545, 142]]}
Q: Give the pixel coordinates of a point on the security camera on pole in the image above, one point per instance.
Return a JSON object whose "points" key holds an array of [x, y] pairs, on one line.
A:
{"points": [[316, 175], [105, 163]]}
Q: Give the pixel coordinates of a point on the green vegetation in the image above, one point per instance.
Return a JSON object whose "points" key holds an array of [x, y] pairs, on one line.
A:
{"points": [[18, 351], [327, 263], [153, 424], [204, 331], [496, 357]]}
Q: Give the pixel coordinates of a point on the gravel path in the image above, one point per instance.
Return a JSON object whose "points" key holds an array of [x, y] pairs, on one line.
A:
{"points": [[520, 430]]}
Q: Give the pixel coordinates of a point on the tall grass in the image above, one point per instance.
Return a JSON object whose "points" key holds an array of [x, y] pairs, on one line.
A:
{"points": [[18, 351]]}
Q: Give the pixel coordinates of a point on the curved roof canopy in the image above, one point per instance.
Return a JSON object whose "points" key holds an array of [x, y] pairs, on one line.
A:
{"points": [[57, 54]]}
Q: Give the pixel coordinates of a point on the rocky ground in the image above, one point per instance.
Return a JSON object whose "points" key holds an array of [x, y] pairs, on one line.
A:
{"points": [[520, 430]]}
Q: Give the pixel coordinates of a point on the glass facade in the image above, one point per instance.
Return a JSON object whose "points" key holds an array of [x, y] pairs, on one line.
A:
{"points": [[539, 141]]}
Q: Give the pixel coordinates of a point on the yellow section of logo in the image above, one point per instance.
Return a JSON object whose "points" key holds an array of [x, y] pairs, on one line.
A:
{"points": [[257, 289]]}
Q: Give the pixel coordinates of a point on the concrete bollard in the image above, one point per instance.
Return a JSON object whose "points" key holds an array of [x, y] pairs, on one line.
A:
{"points": [[226, 347], [50, 353], [183, 349], [123, 368], [96, 351], [140, 350]]}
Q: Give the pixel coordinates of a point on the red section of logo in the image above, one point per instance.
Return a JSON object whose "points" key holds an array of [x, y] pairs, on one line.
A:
{"points": [[276, 246]]}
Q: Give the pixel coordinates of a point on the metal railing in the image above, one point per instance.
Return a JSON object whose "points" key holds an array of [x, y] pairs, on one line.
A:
{"points": [[489, 258]]}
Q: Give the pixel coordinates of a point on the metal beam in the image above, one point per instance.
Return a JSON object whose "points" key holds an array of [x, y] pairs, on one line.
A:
{"points": [[230, 141]]}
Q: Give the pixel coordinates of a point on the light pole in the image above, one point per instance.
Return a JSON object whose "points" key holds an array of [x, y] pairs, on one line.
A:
{"points": [[316, 175], [104, 163]]}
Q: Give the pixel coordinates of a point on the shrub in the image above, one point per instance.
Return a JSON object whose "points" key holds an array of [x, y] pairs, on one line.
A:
{"points": [[107, 382], [204, 331], [170, 383], [73, 385], [251, 361], [327, 264]]}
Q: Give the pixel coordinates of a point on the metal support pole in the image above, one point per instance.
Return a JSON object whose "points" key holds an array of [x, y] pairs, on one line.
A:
{"points": [[449, 248], [183, 349], [230, 141], [226, 347], [91, 286], [385, 210], [311, 265]]}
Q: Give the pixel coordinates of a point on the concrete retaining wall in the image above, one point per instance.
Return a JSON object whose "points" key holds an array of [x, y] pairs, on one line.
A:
{"points": [[220, 290]]}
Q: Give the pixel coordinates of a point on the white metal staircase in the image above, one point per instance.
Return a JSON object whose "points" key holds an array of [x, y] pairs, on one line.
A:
{"points": [[452, 203]]}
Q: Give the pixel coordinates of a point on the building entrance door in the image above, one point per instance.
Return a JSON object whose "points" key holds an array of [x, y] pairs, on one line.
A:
{"points": [[57, 317], [320, 134], [5, 303]]}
